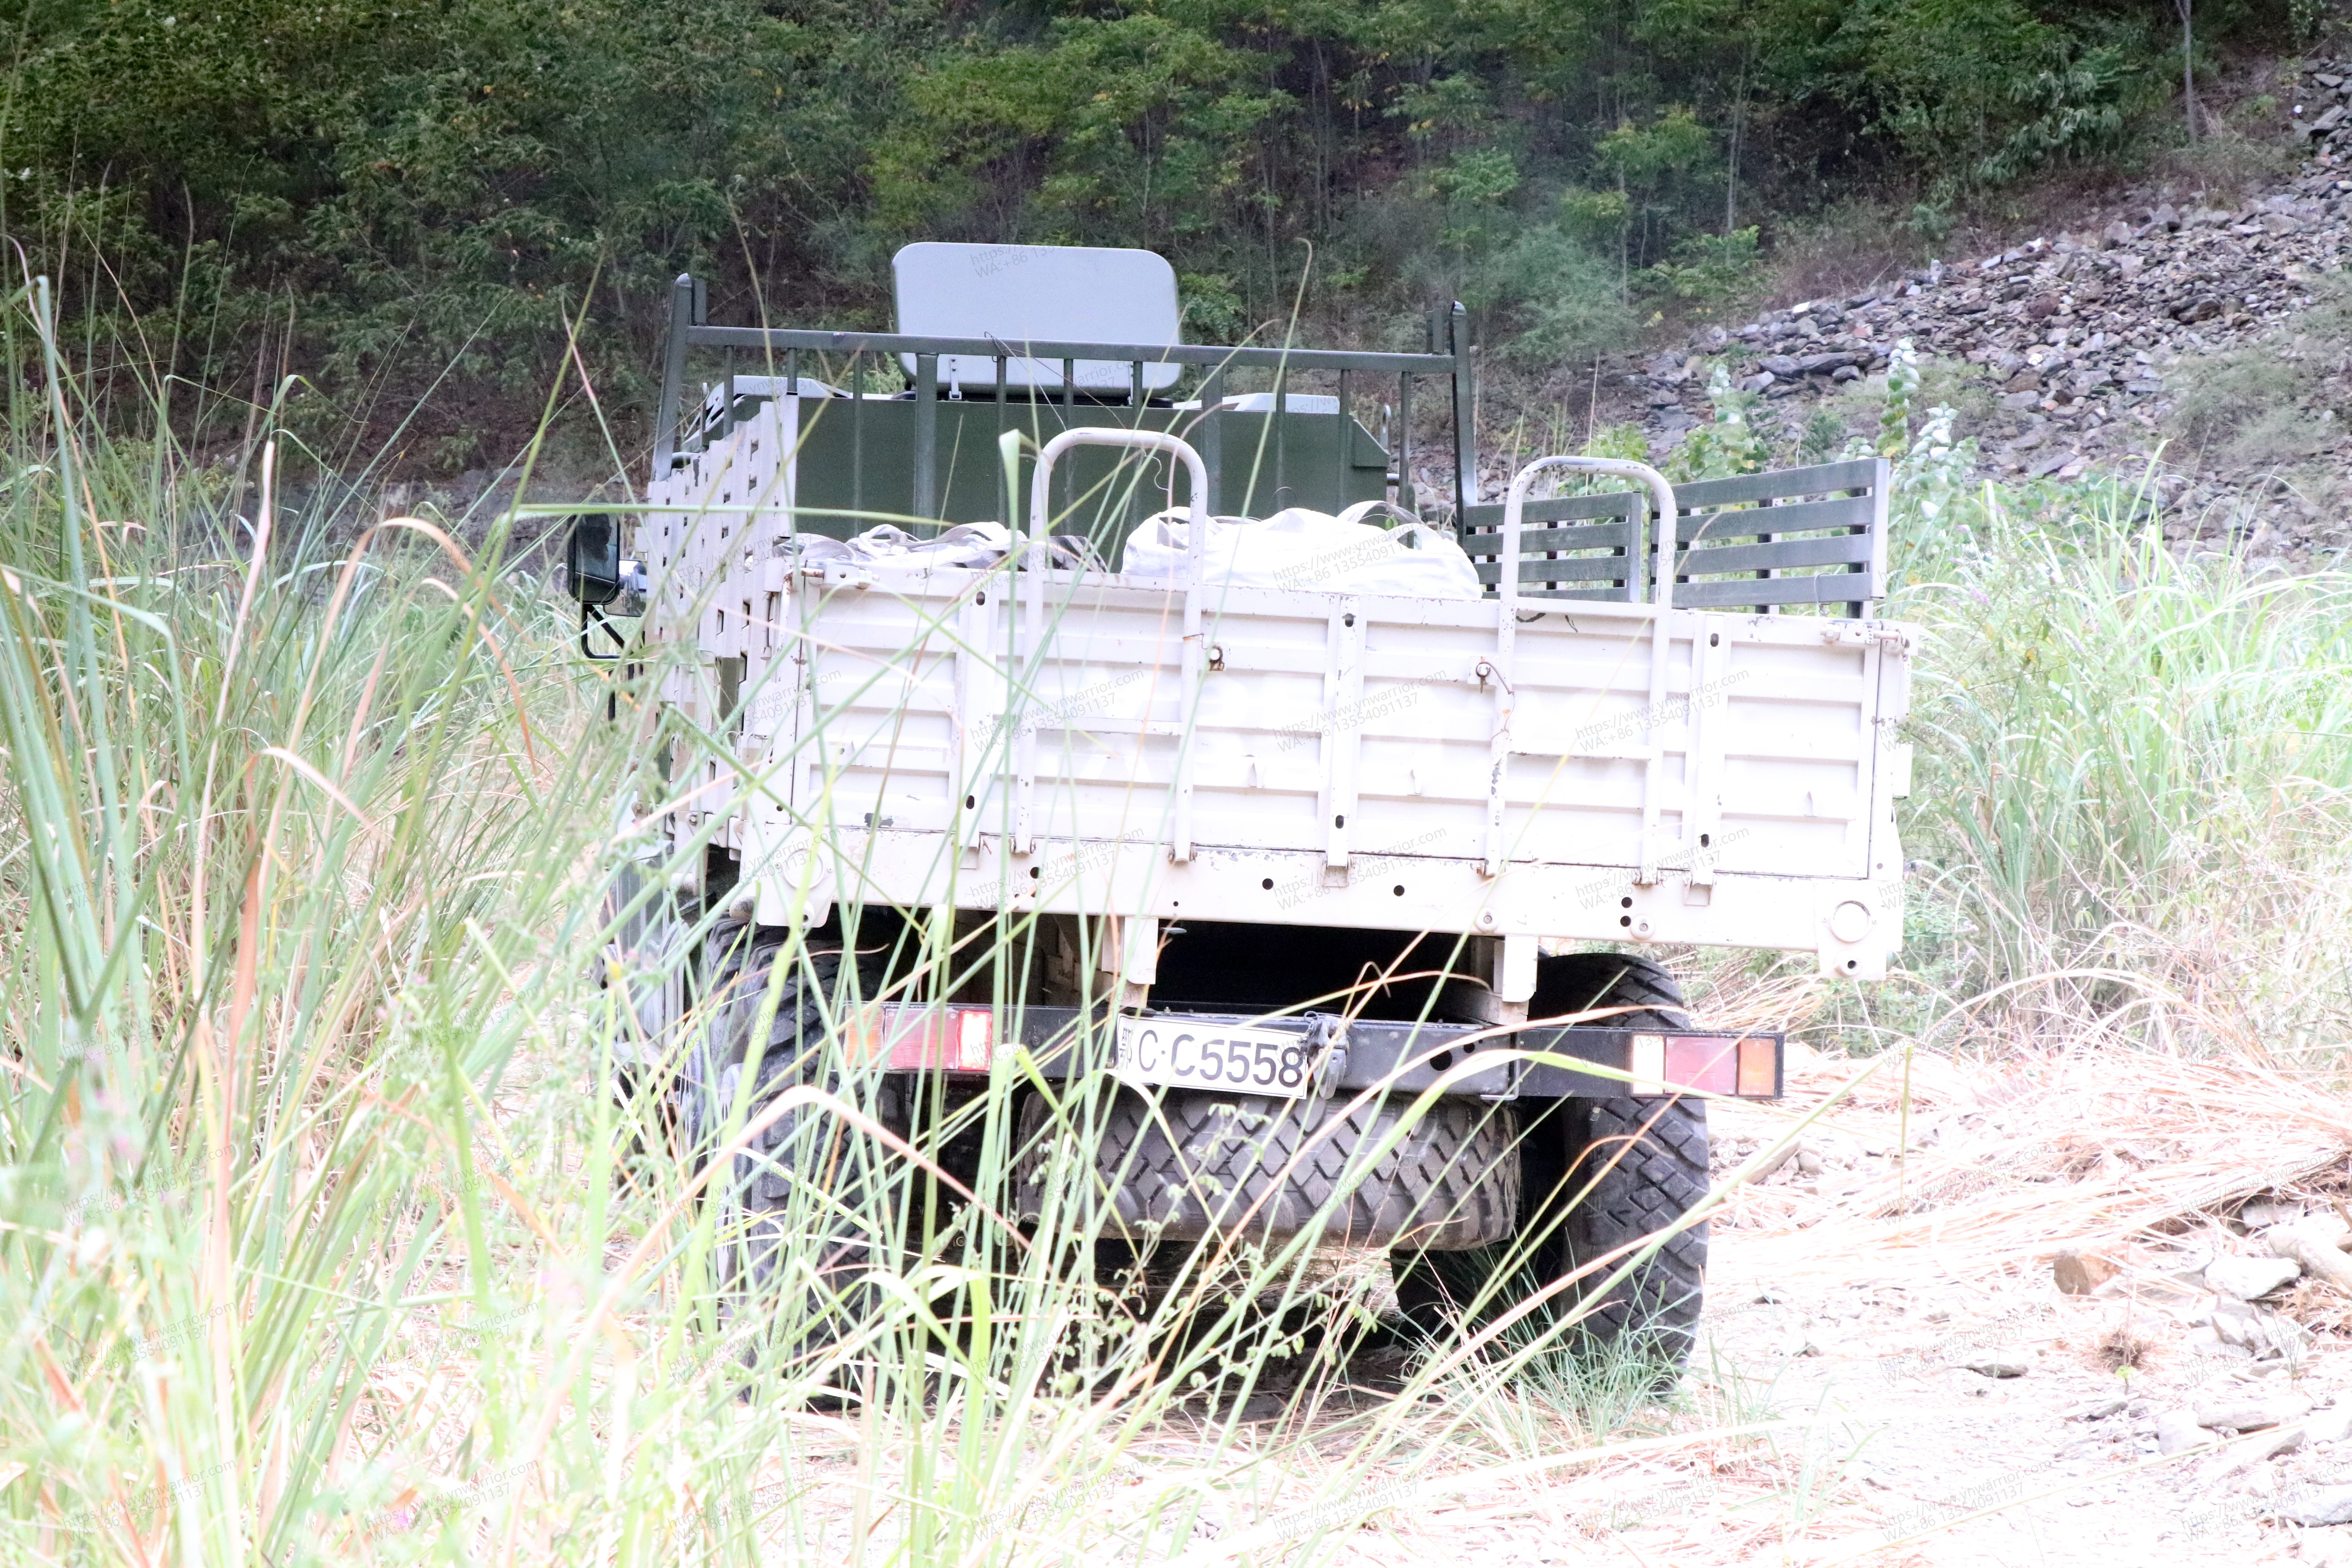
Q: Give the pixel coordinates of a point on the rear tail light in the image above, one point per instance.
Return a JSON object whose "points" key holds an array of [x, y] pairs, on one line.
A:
{"points": [[949, 1040], [1705, 1063], [1647, 1064], [1759, 1068], [1708, 1063]]}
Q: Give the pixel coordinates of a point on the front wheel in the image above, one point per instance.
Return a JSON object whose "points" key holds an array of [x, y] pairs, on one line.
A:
{"points": [[1597, 1175]]}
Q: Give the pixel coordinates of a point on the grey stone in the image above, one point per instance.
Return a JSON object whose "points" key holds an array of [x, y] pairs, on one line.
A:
{"points": [[2176, 1430], [1815, 365], [2332, 1425], [2244, 1414], [2000, 1362], [2315, 1505], [2244, 1278]]}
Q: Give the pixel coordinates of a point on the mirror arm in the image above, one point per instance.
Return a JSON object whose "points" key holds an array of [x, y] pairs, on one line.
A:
{"points": [[587, 612]]}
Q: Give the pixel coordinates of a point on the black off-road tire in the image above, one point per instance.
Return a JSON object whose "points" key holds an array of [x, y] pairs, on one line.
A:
{"points": [[1596, 1175], [1188, 1165], [807, 1181]]}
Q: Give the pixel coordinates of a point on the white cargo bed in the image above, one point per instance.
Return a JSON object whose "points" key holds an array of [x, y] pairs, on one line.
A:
{"points": [[986, 739], [1338, 763]]}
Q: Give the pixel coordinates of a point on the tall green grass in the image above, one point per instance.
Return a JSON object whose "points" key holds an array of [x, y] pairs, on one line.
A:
{"points": [[343, 1217], [2134, 797], [342, 1214]]}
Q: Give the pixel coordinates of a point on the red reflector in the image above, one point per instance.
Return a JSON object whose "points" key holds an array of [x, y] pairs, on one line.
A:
{"points": [[1708, 1063], [956, 1040], [1760, 1069]]}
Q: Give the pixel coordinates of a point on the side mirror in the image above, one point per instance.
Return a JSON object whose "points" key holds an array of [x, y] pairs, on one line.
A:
{"points": [[592, 559]]}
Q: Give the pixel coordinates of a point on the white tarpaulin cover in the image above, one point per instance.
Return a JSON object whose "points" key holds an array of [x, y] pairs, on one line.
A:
{"points": [[1296, 548]]}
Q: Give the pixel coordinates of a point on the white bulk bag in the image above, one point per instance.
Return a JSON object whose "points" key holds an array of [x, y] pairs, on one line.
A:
{"points": [[1296, 548]]}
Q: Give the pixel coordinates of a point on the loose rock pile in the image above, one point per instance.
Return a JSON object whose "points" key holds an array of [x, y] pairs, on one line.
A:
{"points": [[2083, 340]]}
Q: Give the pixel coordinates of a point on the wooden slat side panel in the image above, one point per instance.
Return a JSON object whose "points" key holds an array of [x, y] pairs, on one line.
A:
{"points": [[1798, 517], [1578, 569], [1756, 592], [1536, 540], [1780, 555], [1560, 509], [1745, 490]]}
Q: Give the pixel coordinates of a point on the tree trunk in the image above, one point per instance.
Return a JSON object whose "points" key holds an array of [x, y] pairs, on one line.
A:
{"points": [[2188, 9], [1738, 123], [1731, 171]]}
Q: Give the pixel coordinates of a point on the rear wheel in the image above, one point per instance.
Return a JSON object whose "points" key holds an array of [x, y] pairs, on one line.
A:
{"points": [[808, 1188], [1597, 1175]]}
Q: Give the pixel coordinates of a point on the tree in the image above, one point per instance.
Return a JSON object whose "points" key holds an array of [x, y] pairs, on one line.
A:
{"points": [[2188, 10]]}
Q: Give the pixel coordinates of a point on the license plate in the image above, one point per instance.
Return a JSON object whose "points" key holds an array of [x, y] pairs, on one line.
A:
{"points": [[1191, 1054]]}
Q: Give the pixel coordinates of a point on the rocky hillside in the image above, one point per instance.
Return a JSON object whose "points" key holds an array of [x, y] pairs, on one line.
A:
{"points": [[2214, 339]]}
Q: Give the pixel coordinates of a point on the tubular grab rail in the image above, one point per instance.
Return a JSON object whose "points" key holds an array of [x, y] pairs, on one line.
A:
{"points": [[1035, 544], [1507, 624]]}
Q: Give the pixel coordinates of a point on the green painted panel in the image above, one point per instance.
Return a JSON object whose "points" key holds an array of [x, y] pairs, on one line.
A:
{"points": [[856, 464]]}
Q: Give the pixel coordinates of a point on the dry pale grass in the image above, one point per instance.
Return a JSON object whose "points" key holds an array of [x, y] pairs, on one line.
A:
{"points": [[2007, 1165]]}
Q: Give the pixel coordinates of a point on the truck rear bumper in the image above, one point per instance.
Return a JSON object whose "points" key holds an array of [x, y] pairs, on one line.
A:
{"points": [[1536, 1061]]}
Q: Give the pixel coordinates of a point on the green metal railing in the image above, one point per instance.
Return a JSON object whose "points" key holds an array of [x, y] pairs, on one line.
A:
{"points": [[779, 351]]}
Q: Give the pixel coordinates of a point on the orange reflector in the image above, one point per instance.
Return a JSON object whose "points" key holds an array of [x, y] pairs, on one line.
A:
{"points": [[1760, 1069], [1707, 1063]]}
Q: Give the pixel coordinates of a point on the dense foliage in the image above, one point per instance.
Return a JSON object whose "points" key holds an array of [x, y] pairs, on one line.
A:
{"points": [[378, 193]]}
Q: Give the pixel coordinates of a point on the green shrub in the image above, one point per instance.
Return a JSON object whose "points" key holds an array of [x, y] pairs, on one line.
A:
{"points": [[2135, 778]]}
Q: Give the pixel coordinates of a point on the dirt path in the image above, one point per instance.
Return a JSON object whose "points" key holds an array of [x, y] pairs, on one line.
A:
{"points": [[1891, 1295], [1909, 1322]]}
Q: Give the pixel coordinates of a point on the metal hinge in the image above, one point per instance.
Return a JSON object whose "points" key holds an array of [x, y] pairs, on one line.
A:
{"points": [[1863, 634]]}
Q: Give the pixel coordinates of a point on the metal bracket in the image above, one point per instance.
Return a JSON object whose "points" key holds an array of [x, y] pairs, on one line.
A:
{"points": [[1514, 1073], [1035, 550], [1327, 1036], [1343, 739]]}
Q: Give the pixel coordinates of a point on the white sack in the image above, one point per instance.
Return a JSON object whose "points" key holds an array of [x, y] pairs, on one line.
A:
{"points": [[1296, 548], [967, 544]]}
